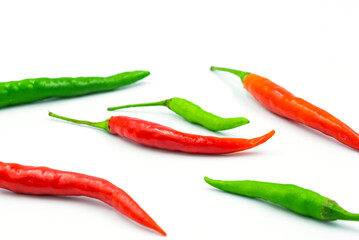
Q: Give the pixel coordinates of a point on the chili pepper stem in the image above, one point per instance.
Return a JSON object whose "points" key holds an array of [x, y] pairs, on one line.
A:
{"points": [[103, 124], [240, 74], [159, 103], [345, 215]]}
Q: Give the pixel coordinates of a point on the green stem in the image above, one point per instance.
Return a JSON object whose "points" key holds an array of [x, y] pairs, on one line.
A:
{"points": [[350, 216], [345, 215], [103, 125], [159, 103], [240, 74]]}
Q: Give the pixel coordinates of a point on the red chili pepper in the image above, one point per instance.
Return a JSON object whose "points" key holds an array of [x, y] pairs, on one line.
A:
{"points": [[284, 103], [47, 181], [159, 136]]}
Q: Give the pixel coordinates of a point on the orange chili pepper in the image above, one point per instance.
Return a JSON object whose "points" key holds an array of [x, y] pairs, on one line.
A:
{"points": [[285, 104]]}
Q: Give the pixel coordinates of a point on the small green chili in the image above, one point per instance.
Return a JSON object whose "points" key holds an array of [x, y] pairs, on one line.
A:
{"points": [[30, 90], [193, 113], [297, 199]]}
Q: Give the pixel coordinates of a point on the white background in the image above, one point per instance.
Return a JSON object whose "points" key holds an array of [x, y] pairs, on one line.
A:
{"points": [[309, 47]]}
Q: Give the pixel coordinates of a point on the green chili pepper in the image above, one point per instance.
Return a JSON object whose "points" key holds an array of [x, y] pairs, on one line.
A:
{"points": [[193, 113], [297, 199], [29, 90]]}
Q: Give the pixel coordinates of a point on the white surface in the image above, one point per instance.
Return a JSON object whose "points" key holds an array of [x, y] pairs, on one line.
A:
{"points": [[309, 47]]}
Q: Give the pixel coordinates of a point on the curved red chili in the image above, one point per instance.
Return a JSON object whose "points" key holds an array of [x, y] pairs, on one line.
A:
{"points": [[159, 136], [47, 181], [282, 102]]}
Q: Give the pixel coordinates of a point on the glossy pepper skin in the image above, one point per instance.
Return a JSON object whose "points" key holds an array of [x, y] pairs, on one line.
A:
{"points": [[297, 199], [30, 90], [46, 181], [193, 113], [159, 136], [282, 102]]}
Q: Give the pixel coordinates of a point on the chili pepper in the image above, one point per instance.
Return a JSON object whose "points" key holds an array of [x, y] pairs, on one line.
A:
{"points": [[30, 90], [193, 113], [285, 104], [47, 181], [159, 136], [297, 199]]}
